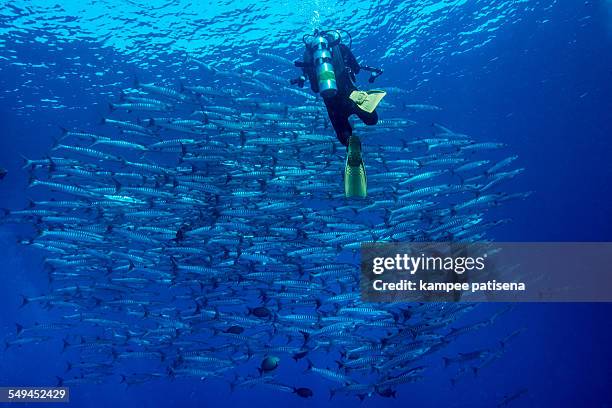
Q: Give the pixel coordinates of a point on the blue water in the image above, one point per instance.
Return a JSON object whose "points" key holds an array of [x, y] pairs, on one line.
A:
{"points": [[536, 75]]}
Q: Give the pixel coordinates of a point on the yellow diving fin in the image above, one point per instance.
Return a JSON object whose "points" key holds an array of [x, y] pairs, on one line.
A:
{"points": [[355, 181], [367, 100]]}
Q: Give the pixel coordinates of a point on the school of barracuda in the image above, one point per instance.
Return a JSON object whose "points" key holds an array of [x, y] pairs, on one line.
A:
{"points": [[203, 228]]}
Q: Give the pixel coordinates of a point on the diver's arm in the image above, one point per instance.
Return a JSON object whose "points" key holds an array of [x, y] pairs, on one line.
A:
{"points": [[302, 78], [299, 81], [349, 59], [374, 72], [369, 68], [355, 67], [308, 72]]}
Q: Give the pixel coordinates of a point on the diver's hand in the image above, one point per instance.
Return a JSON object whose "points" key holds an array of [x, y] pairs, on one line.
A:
{"points": [[375, 74], [299, 81]]}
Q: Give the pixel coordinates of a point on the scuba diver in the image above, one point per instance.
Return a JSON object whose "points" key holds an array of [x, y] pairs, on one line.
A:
{"points": [[331, 68]]}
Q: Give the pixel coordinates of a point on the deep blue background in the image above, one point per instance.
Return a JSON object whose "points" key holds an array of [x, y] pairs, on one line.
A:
{"points": [[543, 88]]}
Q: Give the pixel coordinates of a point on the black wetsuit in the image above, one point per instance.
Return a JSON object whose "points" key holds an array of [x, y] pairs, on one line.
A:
{"points": [[340, 107]]}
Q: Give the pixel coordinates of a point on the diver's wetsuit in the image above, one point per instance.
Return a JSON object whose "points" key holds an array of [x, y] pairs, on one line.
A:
{"points": [[340, 106]]}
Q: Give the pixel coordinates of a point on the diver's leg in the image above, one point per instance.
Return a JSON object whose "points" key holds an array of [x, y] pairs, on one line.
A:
{"points": [[355, 181], [366, 117], [344, 132], [340, 122]]}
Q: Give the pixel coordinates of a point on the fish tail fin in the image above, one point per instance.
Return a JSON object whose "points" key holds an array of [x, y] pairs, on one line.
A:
{"points": [[60, 381], [446, 361], [56, 142], [183, 152], [64, 131], [24, 301], [68, 366], [118, 185], [460, 177], [306, 336], [26, 162], [171, 373], [111, 106], [309, 367], [234, 382], [19, 328], [332, 393], [475, 370], [414, 333], [65, 345], [136, 82], [249, 353]]}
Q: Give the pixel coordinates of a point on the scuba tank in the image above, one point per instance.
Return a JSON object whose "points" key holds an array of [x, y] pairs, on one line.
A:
{"points": [[321, 58], [323, 67]]}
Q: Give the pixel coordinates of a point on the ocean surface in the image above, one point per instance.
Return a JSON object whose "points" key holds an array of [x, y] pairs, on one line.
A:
{"points": [[533, 75]]}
